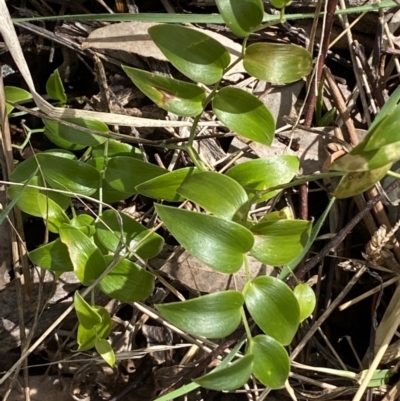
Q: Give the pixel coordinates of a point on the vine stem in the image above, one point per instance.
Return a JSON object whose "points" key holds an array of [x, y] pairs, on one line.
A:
{"points": [[245, 323]]}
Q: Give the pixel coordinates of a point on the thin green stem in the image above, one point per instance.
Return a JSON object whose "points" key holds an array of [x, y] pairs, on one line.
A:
{"points": [[247, 269], [245, 323], [393, 174], [102, 177]]}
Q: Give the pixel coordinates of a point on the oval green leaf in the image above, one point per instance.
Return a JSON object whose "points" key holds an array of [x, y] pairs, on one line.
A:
{"points": [[72, 138], [109, 194], [86, 258], [125, 173], [241, 17], [216, 193], [53, 256], [87, 316], [178, 97], [55, 88], [69, 175], [132, 233], [218, 243], [166, 186], [15, 95], [356, 183], [273, 307], [127, 281], [261, 174], [306, 299], [229, 378], [271, 363], [277, 63], [103, 347], [87, 338], [270, 237], [85, 223], [244, 114], [117, 148], [212, 316], [195, 54]]}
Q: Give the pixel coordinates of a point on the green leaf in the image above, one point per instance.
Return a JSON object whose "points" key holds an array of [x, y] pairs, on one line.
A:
{"points": [[241, 17], [74, 139], [195, 54], [87, 338], [55, 88], [230, 378], [15, 95], [103, 347], [166, 186], [306, 299], [385, 133], [280, 3], [271, 363], [53, 256], [356, 183], [273, 307], [261, 174], [244, 114], [212, 316], [178, 97], [85, 224], [216, 193], [69, 175], [32, 201], [218, 243], [117, 148], [270, 237], [277, 63], [125, 173], [127, 281], [87, 316], [110, 194], [132, 233], [87, 260], [379, 378]]}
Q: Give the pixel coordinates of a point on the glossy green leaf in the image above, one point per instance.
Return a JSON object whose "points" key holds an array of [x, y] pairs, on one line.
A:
{"points": [[179, 97], [387, 108], [379, 378], [244, 114], [127, 281], [216, 193], [166, 186], [385, 133], [85, 223], [103, 347], [273, 307], [230, 378], [261, 174], [87, 260], [87, 338], [117, 148], [195, 54], [125, 173], [32, 201], [271, 363], [356, 183], [306, 299], [212, 316], [109, 194], [241, 17], [218, 243], [74, 139], [87, 316], [132, 232], [69, 175], [277, 63], [52, 256], [15, 95], [270, 237], [55, 88]]}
